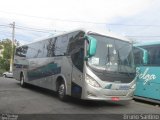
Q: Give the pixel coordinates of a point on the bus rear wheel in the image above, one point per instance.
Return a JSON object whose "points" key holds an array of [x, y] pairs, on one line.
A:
{"points": [[22, 83], [62, 91]]}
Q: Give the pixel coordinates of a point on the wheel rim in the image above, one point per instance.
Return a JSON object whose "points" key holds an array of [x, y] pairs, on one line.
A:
{"points": [[22, 80], [61, 90]]}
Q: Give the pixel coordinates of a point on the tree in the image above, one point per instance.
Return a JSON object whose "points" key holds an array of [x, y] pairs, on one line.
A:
{"points": [[7, 46], [7, 49], [4, 64], [1, 47]]}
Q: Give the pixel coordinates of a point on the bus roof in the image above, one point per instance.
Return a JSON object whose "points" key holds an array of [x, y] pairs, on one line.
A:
{"points": [[147, 43], [108, 34]]}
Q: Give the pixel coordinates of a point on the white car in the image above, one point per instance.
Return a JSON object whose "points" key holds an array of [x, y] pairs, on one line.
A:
{"points": [[8, 74]]}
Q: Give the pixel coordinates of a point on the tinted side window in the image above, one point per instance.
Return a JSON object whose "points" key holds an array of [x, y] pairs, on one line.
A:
{"points": [[21, 51], [41, 49], [61, 45], [44, 48], [138, 56], [76, 49], [153, 54], [50, 47], [47, 48], [35, 50]]}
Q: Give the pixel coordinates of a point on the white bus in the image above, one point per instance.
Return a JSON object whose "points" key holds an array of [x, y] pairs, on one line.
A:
{"points": [[83, 64]]}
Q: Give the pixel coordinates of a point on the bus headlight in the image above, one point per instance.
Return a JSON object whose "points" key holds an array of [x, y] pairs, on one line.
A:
{"points": [[133, 86], [91, 81]]}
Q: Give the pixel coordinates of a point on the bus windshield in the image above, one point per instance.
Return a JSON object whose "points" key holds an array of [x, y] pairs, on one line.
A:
{"points": [[112, 55]]}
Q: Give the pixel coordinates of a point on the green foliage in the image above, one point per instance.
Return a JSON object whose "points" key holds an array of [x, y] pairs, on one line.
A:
{"points": [[1, 47], [2, 71], [4, 64], [7, 48], [6, 44]]}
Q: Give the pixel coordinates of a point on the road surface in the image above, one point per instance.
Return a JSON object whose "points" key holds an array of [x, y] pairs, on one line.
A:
{"points": [[33, 100]]}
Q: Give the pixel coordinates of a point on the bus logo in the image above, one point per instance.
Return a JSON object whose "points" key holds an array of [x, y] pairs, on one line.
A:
{"points": [[145, 75]]}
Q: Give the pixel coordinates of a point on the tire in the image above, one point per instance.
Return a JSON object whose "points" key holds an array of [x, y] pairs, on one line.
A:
{"points": [[62, 91], [22, 83]]}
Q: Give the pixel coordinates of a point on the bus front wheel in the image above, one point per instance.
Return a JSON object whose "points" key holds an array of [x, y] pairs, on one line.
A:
{"points": [[62, 91]]}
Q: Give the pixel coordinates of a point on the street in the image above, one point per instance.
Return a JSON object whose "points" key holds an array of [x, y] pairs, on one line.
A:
{"points": [[34, 100]]}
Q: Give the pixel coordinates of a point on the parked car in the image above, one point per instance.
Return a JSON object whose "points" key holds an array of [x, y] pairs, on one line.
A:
{"points": [[8, 74]]}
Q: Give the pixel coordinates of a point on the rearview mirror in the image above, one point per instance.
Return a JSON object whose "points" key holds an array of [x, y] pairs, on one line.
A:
{"points": [[145, 57], [144, 54], [91, 50]]}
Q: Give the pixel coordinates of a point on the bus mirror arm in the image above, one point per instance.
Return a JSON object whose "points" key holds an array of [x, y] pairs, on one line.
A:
{"points": [[86, 58]]}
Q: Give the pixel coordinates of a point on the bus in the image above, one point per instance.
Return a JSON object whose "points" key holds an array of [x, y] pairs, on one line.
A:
{"points": [[147, 60], [84, 64]]}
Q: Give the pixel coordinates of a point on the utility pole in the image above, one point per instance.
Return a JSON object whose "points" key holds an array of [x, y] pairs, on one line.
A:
{"points": [[13, 34]]}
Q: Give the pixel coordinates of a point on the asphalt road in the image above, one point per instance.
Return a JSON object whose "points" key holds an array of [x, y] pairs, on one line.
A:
{"points": [[33, 100]]}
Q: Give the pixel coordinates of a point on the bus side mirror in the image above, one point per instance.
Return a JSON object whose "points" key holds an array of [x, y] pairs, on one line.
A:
{"points": [[91, 50], [145, 57]]}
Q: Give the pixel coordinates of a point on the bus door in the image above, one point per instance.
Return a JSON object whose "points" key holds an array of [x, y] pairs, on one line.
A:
{"points": [[77, 57]]}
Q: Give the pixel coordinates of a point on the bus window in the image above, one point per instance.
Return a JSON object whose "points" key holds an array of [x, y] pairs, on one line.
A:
{"points": [[61, 45], [138, 56], [51, 47], [157, 58], [21, 51], [35, 50], [153, 55]]}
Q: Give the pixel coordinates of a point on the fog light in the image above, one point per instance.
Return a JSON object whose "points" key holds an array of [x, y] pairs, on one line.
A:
{"points": [[91, 94]]}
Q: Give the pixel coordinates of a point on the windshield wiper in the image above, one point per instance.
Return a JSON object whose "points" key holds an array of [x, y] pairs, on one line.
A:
{"points": [[108, 56]]}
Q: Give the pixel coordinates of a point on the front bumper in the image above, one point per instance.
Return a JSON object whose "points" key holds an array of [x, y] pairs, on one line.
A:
{"points": [[92, 93]]}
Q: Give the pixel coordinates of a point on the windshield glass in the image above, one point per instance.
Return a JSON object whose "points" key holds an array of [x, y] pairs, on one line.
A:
{"points": [[112, 55]]}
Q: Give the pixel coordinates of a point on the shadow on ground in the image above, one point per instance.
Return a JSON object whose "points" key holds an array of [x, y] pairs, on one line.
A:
{"points": [[75, 101]]}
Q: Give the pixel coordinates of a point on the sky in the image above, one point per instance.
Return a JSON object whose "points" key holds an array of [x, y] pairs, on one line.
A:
{"points": [[138, 20]]}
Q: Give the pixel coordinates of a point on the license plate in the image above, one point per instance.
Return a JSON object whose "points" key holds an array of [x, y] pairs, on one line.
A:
{"points": [[115, 98], [124, 87]]}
